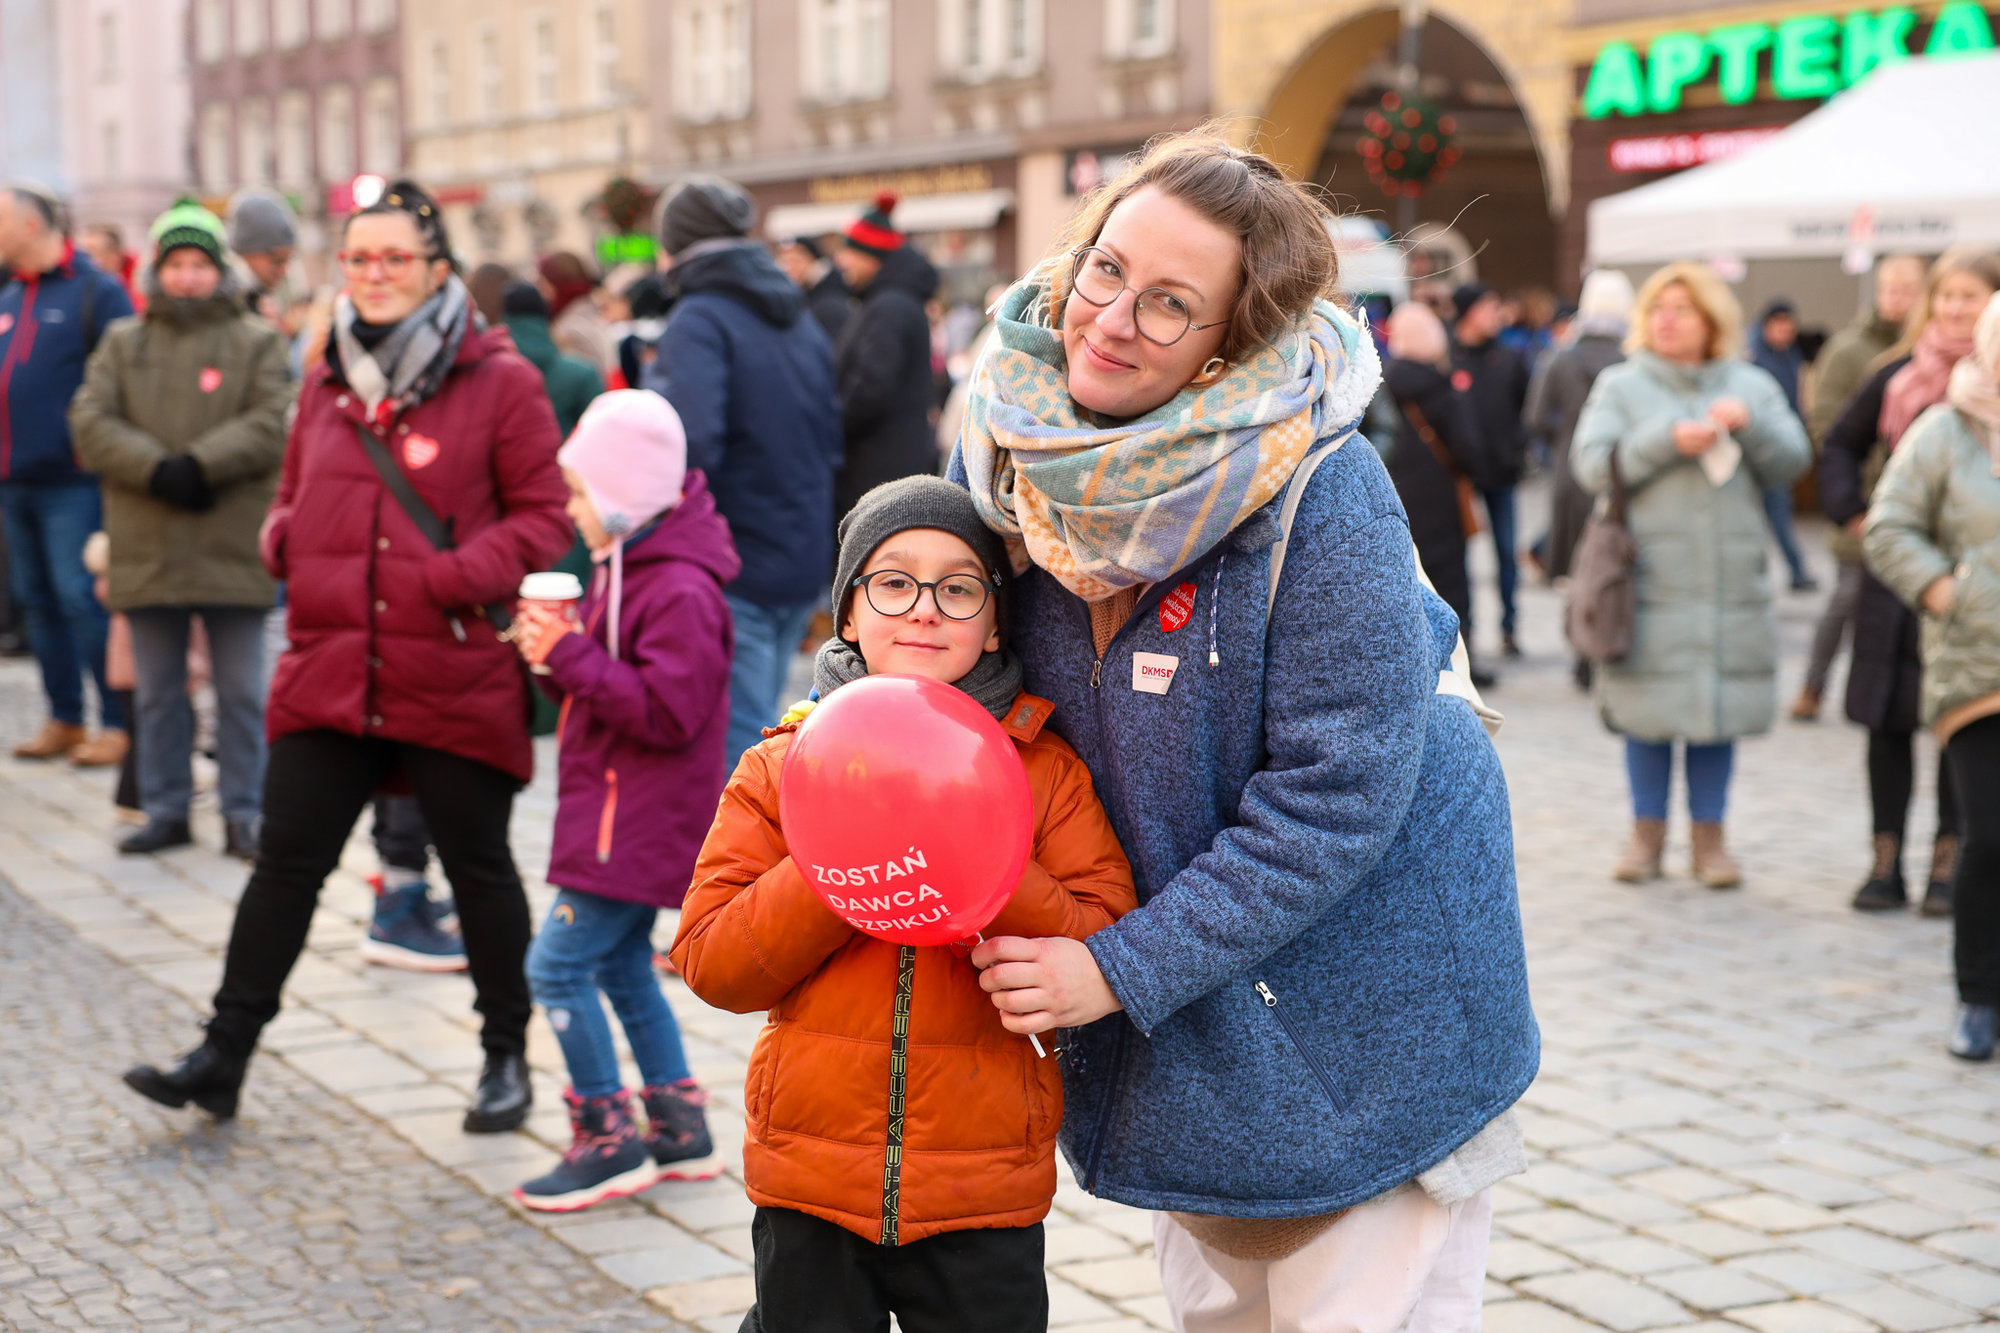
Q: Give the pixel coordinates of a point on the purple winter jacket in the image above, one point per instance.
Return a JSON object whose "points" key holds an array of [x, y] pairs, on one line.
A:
{"points": [[639, 750]]}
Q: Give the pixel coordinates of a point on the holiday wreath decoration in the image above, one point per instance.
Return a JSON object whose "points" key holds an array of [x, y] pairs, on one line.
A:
{"points": [[1409, 144]]}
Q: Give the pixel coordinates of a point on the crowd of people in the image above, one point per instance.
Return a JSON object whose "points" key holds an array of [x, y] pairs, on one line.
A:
{"points": [[1158, 462]]}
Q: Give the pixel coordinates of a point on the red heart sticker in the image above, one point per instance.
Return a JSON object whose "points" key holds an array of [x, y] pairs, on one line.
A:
{"points": [[1177, 608], [6, 321], [420, 451], [211, 379], [1461, 380]]}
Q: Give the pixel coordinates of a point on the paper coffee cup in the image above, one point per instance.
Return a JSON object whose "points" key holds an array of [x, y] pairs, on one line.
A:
{"points": [[554, 591]]}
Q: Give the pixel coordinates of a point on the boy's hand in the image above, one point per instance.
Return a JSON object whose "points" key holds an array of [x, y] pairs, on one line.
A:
{"points": [[1041, 985]]}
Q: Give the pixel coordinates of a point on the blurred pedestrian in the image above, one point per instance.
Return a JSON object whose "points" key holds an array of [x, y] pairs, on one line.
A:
{"points": [[1885, 676], [1838, 373], [51, 317], [420, 485], [1774, 349], [571, 383], [639, 336], [826, 290], [1933, 535], [1494, 379], [883, 363], [1696, 435], [264, 234], [182, 414], [751, 375], [1436, 454], [578, 326], [488, 284], [105, 245]]}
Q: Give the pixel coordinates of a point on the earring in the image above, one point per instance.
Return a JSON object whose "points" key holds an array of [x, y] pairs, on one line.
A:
{"points": [[1213, 367]]}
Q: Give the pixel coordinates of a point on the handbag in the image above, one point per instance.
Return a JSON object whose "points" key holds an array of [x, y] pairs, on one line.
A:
{"points": [[436, 531], [1603, 606], [1468, 513]]}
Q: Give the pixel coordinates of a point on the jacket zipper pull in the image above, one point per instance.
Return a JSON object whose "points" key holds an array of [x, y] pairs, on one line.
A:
{"points": [[1097, 673], [1270, 1000]]}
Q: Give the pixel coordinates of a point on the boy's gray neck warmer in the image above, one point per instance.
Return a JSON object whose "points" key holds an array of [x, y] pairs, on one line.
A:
{"points": [[994, 682]]}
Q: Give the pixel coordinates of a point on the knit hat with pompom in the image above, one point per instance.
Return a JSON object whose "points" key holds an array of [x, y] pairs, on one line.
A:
{"points": [[872, 232]]}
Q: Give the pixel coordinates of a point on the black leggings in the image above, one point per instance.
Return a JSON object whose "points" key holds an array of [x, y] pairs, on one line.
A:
{"points": [[314, 789], [1892, 780], [1974, 754]]}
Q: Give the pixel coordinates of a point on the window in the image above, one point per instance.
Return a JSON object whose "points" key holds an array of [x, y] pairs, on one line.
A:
{"points": [[112, 165], [107, 46], [492, 75], [381, 128], [253, 141], [294, 139], [844, 52], [712, 78], [377, 15], [543, 61], [983, 39], [211, 30], [972, 23], [215, 136], [1019, 39], [1138, 29], [288, 24], [438, 75], [332, 17], [601, 41], [250, 35], [336, 132]]}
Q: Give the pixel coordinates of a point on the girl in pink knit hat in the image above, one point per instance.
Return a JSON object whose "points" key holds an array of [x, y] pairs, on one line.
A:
{"points": [[643, 677]]}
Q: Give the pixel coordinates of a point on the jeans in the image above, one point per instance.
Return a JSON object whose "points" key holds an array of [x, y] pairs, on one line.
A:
{"points": [[1650, 765], [314, 789], [166, 718], [1500, 517], [591, 944], [1974, 756], [46, 526], [1778, 509], [1833, 623], [767, 638]]}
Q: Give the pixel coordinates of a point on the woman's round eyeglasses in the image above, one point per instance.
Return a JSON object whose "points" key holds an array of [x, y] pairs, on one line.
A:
{"points": [[1162, 317], [893, 593]]}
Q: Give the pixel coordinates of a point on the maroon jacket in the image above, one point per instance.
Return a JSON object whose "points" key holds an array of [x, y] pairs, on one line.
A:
{"points": [[371, 604], [639, 766]]}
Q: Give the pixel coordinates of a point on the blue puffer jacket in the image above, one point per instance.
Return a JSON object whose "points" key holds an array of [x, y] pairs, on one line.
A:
{"points": [[48, 329], [752, 378], [1324, 986]]}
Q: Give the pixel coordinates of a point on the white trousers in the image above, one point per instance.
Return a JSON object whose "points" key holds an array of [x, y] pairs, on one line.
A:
{"points": [[1397, 1264]]}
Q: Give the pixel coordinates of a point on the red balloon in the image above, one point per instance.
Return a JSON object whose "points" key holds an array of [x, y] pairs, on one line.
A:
{"points": [[907, 809]]}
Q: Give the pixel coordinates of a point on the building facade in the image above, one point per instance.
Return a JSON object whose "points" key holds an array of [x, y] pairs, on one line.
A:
{"points": [[522, 111], [987, 118], [125, 111], [31, 128], [300, 96]]}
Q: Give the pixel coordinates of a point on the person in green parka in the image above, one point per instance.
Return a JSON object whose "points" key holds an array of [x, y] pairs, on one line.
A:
{"points": [[182, 416], [571, 383]]}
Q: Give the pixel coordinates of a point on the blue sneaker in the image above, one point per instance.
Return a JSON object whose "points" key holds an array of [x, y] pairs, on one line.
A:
{"points": [[606, 1159], [405, 934]]}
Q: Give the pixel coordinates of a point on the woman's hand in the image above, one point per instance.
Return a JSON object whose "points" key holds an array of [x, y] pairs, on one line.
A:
{"points": [[1730, 414], [1941, 596], [1694, 438], [1041, 985]]}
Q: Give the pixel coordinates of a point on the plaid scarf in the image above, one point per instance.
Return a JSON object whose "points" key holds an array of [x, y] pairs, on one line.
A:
{"points": [[410, 363], [1108, 506]]}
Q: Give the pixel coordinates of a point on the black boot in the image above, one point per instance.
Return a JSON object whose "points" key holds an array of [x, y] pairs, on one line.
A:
{"points": [[503, 1097], [210, 1076], [1972, 1034], [1944, 864], [1884, 890], [157, 836], [240, 839]]}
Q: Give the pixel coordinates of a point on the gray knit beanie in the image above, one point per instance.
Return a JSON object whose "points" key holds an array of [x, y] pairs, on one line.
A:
{"points": [[702, 208], [259, 221], [915, 502]]}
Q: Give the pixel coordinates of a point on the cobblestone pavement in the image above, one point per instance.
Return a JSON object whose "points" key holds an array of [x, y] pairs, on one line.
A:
{"points": [[1745, 1117]]}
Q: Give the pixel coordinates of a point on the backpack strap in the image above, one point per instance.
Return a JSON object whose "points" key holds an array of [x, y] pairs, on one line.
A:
{"points": [[1457, 678], [87, 317], [437, 532]]}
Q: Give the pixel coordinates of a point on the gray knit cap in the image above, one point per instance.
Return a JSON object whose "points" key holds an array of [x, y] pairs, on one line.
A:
{"points": [[915, 502], [259, 221], [702, 208]]}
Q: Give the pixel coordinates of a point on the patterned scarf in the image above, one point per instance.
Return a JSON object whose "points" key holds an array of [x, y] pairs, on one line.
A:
{"points": [[1921, 383], [1104, 506], [408, 365]]}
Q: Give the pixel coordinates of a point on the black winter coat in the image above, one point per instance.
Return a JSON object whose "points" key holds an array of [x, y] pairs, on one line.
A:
{"points": [[1427, 484], [831, 304], [1885, 678], [1555, 400], [1494, 379], [883, 368]]}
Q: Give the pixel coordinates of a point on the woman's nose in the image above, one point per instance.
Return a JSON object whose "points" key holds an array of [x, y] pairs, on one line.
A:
{"points": [[1120, 319]]}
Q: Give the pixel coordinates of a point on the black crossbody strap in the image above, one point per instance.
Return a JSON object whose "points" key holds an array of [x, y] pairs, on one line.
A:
{"points": [[435, 530]]}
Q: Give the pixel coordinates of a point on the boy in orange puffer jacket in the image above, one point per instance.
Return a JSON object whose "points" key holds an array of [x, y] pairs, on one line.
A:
{"points": [[946, 1234]]}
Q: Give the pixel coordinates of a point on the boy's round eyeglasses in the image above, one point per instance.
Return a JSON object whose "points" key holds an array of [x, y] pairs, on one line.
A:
{"points": [[893, 593], [1162, 317]]}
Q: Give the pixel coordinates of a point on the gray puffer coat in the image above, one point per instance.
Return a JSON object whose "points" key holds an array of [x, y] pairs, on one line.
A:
{"points": [[1937, 512], [1703, 665]]}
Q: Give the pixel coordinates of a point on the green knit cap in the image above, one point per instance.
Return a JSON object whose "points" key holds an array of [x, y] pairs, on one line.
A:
{"points": [[186, 223]]}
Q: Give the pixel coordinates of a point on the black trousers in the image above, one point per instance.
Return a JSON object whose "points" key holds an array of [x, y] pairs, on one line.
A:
{"points": [[815, 1277], [1892, 779], [1974, 755], [315, 787]]}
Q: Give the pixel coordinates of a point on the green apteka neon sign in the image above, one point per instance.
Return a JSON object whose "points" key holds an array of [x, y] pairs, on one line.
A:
{"points": [[1812, 55]]}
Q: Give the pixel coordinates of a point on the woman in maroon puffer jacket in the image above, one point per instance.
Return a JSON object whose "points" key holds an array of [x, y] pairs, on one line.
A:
{"points": [[392, 667]]}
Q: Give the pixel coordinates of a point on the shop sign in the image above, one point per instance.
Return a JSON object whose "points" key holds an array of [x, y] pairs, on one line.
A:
{"points": [[1672, 152], [957, 179], [635, 248], [1808, 56]]}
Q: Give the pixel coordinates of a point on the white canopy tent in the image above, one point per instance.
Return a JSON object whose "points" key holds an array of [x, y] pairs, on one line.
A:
{"points": [[1907, 160]]}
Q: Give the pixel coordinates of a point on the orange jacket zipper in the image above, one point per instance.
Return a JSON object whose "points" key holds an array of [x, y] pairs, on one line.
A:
{"points": [[610, 815]]}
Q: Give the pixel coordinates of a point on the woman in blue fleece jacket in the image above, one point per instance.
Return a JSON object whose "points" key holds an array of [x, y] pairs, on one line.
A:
{"points": [[1303, 1046]]}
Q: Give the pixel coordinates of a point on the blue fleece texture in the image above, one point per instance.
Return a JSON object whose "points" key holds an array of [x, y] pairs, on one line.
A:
{"points": [[1308, 814]]}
